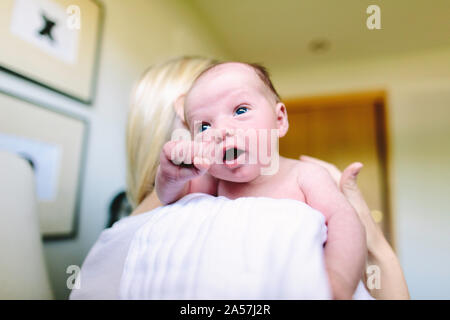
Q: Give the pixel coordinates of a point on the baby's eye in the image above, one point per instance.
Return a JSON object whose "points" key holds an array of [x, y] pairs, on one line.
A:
{"points": [[241, 110], [204, 126]]}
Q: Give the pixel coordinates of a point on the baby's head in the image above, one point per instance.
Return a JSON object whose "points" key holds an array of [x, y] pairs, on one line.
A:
{"points": [[236, 102]]}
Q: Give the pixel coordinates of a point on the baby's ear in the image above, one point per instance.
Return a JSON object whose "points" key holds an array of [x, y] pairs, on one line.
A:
{"points": [[282, 119], [179, 107]]}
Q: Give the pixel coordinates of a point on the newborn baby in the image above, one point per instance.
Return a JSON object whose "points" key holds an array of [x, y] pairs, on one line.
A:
{"points": [[231, 110]]}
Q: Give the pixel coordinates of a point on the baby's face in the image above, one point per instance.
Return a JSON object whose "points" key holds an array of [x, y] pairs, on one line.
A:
{"points": [[233, 105]]}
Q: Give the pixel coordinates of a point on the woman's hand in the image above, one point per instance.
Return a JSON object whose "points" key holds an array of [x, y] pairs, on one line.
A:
{"points": [[380, 253], [347, 184]]}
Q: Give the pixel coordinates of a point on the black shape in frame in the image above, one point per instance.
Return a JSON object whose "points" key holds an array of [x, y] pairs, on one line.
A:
{"points": [[46, 30]]}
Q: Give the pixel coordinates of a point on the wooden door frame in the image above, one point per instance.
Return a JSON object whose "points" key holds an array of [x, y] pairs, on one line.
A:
{"points": [[379, 99]]}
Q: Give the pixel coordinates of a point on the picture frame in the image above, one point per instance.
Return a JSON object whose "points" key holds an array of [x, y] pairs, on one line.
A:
{"points": [[53, 43], [54, 143]]}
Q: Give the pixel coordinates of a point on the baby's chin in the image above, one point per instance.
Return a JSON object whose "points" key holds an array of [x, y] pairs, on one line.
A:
{"points": [[241, 174]]}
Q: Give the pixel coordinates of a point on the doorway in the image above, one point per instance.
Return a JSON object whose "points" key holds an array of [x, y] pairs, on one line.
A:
{"points": [[342, 129]]}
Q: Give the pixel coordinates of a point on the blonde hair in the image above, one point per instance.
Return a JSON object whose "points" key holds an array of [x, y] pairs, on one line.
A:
{"points": [[151, 119]]}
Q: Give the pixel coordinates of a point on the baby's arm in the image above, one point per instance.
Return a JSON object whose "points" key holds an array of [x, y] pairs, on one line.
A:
{"points": [[345, 249], [175, 181]]}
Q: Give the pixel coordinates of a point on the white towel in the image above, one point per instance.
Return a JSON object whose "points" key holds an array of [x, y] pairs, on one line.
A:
{"points": [[205, 247]]}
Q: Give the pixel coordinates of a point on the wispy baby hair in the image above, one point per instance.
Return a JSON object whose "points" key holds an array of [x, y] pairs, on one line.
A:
{"points": [[260, 70]]}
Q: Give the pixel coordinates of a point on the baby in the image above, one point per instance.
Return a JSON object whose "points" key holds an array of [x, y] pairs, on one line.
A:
{"points": [[229, 108]]}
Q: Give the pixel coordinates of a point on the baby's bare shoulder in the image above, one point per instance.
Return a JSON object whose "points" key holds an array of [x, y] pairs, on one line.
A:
{"points": [[303, 168], [308, 173], [291, 167]]}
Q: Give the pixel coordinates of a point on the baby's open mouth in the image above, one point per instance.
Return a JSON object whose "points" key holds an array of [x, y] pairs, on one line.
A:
{"points": [[232, 154]]}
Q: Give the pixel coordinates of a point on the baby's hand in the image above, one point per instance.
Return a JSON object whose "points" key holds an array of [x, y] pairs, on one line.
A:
{"points": [[181, 161]]}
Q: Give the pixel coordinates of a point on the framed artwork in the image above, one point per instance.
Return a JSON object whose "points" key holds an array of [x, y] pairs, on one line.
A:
{"points": [[53, 142], [53, 43]]}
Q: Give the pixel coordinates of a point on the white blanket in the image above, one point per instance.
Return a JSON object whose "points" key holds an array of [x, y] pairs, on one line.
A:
{"points": [[205, 247]]}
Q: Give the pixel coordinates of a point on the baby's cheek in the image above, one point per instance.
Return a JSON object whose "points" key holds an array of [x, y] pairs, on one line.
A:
{"points": [[214, 170], [266, 142]]}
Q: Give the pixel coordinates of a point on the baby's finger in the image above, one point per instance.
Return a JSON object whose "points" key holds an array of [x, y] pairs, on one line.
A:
{"points": [[212, 152], [185, 173], [167, 167], [204, 150], [166, 157], [167, 148], [202, 164], [180, 153], [193, 171]]}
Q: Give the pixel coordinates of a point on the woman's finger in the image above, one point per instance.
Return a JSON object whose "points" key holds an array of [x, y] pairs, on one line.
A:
{"points": [[332, 169], [349, 187], [349, 175], [351, 191]]}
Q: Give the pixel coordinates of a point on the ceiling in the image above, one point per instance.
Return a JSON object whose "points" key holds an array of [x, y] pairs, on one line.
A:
{"points": [[279, 33]]}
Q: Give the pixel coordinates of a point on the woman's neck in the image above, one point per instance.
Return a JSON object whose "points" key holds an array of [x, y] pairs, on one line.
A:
{"points": [[150, 202]]}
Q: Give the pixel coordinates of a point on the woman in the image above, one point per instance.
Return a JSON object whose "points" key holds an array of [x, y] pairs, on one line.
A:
{"points": [[151, 121]]}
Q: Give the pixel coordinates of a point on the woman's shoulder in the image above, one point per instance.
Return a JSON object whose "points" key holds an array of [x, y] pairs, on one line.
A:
{"points": [[124, 226], [102, 269]]}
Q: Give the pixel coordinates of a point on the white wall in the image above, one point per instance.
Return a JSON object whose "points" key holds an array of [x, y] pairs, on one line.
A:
{"points": [[418, 87], [136, 34]]}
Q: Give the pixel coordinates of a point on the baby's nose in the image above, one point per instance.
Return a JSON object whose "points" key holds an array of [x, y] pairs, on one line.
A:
{"points": [[218, 134], [224, 133]]}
